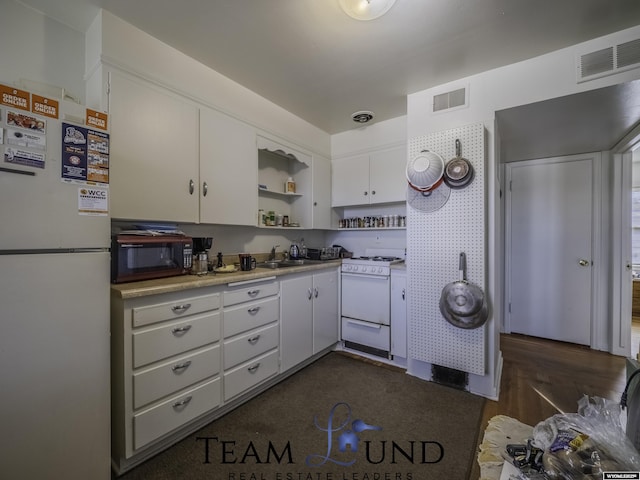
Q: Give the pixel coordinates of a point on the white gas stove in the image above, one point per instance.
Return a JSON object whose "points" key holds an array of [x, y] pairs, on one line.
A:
{"points": [[373, 262], [366, 301]]}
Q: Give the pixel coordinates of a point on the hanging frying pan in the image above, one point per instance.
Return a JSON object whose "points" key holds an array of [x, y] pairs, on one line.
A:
{"points": [[458, 172], [463, 304]]}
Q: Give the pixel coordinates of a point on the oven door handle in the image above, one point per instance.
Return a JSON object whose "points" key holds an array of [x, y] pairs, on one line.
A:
{"points": [[375, 326], [365, 275]]}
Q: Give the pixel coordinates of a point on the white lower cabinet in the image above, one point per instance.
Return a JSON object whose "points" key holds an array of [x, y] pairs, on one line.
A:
{"points": [[309, 316], [166, 360], [176, 358], [251, 335], [175, 412]]}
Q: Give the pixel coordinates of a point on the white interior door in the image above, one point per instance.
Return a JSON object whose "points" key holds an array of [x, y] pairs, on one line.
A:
{"points": [[550, 220]]}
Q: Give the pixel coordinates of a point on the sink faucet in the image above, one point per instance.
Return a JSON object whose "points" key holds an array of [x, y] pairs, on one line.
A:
{"points": [[272, 255]]}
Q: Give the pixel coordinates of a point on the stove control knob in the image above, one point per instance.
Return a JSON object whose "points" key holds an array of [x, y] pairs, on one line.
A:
{"points": [[364, 269], [349, 267], [379, 269]]}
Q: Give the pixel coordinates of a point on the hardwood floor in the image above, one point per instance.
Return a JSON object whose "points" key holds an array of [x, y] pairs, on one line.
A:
{"points": [[543, 377]]}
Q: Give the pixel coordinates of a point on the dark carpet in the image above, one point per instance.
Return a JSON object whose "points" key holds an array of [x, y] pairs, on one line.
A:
{"points": [[340, 418]]}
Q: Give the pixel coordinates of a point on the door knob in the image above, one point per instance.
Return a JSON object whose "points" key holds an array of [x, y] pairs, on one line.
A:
{"points": [[583, 263]]}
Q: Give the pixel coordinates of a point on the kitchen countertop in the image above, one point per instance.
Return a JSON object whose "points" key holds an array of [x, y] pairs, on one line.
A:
{"points": [[186, 282]]}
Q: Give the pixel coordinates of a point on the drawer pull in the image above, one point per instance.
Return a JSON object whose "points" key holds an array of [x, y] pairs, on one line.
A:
{"points": [[253, 340], [181, 330], [180, 367], [182, 402], [253, 293], [181, 308], [254, 368], [253, 310]]}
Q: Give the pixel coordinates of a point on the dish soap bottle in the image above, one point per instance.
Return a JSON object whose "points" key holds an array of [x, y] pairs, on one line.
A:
{"points": [[220, 262], [303, 249], [290, 186]]}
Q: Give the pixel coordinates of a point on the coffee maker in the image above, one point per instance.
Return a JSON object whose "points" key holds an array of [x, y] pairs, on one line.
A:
{"points": [[201, 246]]}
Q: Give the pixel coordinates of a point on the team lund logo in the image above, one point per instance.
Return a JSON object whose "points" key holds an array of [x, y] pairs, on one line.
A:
{"points": [[348, 440]]}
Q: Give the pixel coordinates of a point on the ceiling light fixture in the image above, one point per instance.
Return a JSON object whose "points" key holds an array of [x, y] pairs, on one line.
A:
{"points": [[366, 9], [363, 116]]}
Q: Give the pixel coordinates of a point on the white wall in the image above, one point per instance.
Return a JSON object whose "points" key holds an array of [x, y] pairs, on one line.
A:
{"points": [[40, 49]]}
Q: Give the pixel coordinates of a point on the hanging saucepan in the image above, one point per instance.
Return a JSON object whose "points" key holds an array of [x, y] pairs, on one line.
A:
{"points": [[463, 304], [424, 171], [458, 172]]}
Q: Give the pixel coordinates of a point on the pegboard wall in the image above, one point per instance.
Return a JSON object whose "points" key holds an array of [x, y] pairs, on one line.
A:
{"points": [[434, 242]]}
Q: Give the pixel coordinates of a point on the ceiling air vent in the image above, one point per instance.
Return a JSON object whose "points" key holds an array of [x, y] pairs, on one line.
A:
{"points": [[448, 100], [608, 61]]}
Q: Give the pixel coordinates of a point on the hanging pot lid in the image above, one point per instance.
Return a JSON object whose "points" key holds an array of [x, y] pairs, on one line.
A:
{"points": [[428, 201], [424, 170]]}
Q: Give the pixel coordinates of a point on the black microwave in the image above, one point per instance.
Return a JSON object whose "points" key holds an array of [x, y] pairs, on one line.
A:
{"points": [[144, 257]]}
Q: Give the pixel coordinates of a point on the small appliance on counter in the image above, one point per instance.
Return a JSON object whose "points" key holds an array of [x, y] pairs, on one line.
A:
{"points": [[201, 246], [324, 253], [140, 256]]}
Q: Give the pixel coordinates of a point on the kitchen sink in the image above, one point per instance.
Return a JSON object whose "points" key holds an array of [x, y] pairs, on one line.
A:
{"points": [[287, 263]]}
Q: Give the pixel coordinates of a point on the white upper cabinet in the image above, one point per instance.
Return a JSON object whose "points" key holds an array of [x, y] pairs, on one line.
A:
{"points": [[377, 177], [153, 153], [228, 170], [321, 193]]}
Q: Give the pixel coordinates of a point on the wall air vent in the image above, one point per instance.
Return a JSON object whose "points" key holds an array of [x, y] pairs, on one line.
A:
{"points": [[608, 61], [595, 63], [629, 54], [448, 100]]}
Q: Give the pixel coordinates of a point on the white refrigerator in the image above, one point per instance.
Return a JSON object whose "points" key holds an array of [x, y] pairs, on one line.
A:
{"points": [[54, 317]]}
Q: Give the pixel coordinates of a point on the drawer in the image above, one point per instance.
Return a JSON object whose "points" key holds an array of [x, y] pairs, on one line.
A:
{"points": [[249, 374], [248, 316], [161, 312], [243, 347], [162, 380], [364, 333], [175, 412], [246, 293], [156, 343]]}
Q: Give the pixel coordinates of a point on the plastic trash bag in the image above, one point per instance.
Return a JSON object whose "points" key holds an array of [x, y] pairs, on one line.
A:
{"points": [[583, 445]]}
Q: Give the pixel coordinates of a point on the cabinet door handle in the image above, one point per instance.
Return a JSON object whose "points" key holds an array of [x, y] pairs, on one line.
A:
{"points": [[373, 192], [366, 193], [403, 293], [309, 294], [192, 187], [205, 189], [253, 340], [181, 308], [182, 402], [315, 292], [181, 330], [180, 367], [253, 368], [253, 293], [253, 310]]}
